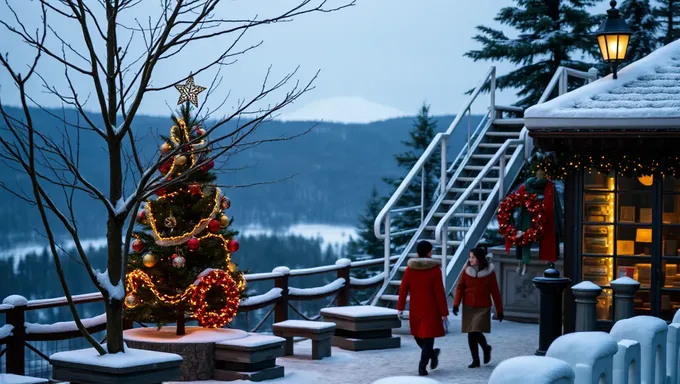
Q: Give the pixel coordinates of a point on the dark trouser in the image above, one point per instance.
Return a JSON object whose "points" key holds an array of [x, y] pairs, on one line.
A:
{"points": [[426, 349], [475, 339]]}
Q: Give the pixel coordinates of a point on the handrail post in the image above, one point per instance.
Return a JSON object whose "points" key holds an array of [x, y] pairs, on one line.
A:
{"points": [[445, 236], [501, 178], [442, 178], [563, 82], [343, 273], [469, 144], [387, 247], [14, 362], [492, 93], [423, 175], [281, 306], [592, 75]]}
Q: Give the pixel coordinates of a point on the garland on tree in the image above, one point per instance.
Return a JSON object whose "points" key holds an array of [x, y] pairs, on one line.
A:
{"points": [[505, 219]]}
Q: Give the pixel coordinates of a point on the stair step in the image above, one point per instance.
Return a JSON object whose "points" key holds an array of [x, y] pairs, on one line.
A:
{"points": [[450, 228], [466, 202], [517, 121], [508, 108], [490, 145], [484, 179], [460, 214], [461, 190], [503, 134], [487, 156]]}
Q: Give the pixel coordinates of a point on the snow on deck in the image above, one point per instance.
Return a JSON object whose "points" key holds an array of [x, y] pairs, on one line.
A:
{"points": [[648, 88], [507, 338]]}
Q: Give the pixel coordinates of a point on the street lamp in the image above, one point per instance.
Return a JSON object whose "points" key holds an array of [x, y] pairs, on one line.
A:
{"points": [[613, 37]]}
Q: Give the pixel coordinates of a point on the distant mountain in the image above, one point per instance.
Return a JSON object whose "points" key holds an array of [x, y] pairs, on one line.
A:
{"points": [[334, 168], [348, 110]]}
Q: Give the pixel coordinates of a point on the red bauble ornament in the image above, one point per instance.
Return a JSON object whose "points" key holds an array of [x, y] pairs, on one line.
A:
{"points": [[164, 168], [226, 203], [208, 166], [200, 131], [195, 189], [214, 226], [233, 245], [141, 216], [193, 244], [160, 191], [137, 245]]}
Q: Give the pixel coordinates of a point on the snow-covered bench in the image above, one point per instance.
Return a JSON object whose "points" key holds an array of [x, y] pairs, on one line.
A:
{"points": [[590, 354], [318, 332], [16, 379], [249, 358], [363, 327]]}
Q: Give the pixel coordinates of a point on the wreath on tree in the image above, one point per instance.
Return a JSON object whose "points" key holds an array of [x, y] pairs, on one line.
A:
{"points": [[505, 221]]}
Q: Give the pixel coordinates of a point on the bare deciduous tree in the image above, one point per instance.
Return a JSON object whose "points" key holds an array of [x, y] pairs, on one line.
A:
{"points": [[102, 45]]}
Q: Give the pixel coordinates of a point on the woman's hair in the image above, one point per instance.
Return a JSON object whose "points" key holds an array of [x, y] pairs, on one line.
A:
{"points": [[480, 254]]}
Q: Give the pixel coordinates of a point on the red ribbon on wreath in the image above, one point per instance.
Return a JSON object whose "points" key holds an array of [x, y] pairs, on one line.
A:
{"points": [[505, 222]]}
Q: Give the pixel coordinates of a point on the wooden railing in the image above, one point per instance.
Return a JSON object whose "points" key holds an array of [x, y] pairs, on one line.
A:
{"points": [[16, 334]]}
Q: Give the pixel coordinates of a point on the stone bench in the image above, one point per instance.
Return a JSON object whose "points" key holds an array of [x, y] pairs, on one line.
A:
{"points": [[318, 332], [363, 327], [16, 379], [251, 358]]}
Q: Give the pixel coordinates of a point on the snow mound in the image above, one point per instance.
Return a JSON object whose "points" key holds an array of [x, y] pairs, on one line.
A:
{"points": [[326, 289], [116, 292], [586, 286], [638, 328], [5, 331], [625, 280], [347, 110], [64, 326], [130, 358], [304, 324], [579, 347], [193, 335], [272, 294], [531, 369], [359, 311], [15, 300]]}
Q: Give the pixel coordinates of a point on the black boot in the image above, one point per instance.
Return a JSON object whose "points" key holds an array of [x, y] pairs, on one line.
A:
{"points": [[487, 353], [474, 349], [435, 359], [422, 371]]}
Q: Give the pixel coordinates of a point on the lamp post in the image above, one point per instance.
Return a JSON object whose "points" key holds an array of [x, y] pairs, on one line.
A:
{"points": [[613, 37]]}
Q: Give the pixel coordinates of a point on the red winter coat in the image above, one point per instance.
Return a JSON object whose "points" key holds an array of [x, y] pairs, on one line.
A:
{"points": [[423, 280], [476, 288]]}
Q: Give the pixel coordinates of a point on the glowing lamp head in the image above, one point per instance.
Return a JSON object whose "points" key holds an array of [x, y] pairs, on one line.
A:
{"points": [[613, 37]]}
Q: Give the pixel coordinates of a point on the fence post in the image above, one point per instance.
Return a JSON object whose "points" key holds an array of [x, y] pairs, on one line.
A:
{"points": [[343, 295], [551, 286], [586, 294], [281, 306], [15, 317], [624, 289]]}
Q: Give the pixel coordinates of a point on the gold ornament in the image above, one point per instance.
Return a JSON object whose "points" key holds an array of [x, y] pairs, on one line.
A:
{"points": [[224, 221], [165, 148], [180, 160], [189, 91], [131, 301], [170, 222], [232, 267], [149, 260]]}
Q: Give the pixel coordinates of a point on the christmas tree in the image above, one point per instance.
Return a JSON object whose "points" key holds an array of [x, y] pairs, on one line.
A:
{"points": [[180, 263], [668, 15], [550, 34], [639, 17]]}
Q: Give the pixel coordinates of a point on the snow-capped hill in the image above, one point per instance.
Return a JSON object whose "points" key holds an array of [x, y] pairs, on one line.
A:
{"points": [[348, 110]]}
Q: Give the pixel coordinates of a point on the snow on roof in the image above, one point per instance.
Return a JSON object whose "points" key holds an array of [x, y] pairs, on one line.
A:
{"points": [[646, 95]]}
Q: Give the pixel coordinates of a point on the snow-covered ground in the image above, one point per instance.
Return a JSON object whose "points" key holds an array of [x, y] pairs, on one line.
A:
{"points": [[507, 338]]}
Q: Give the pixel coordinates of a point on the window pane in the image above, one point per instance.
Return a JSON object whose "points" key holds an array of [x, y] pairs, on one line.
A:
{"points": [[642, 183], [598, 182], [597, 270], [642, 303], [605, 309], [598, 207], [635, 207], [637, 269], [669, 274], [598, 239], [670, 303], [670, 241], [671, 209], [633, 240], [671, 184]]}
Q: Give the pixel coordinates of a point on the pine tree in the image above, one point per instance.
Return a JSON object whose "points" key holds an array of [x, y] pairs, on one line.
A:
{"points": [[367, 246], [420, 137], [668, 16], [639, 17], [550, 34], [181, 259]]}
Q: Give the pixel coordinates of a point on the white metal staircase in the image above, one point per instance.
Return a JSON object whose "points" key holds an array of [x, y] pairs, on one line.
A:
{"points": [[470, 187]]}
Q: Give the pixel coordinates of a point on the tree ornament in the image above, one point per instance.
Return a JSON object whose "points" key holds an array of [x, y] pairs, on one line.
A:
{"points": [[224, 221], [232, 267], [178, 262], [233, 245], [211, 317], [137, 245], [208, 166], [505, 212], [141, 217], [193, 244], [226, 203], [189, 91], [200, 132], [214, 226], [170, 222], [164, 168], [195, 189], [149, 260], [180, 160], [160, 191], [131, 301], [165, 147]]}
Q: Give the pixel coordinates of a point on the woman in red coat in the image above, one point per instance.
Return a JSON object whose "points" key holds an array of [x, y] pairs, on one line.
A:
{"points": [[427, 305], [476, 286]]}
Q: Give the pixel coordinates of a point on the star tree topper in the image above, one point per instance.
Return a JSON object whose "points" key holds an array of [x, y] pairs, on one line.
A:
{"points": [[189, 91]]}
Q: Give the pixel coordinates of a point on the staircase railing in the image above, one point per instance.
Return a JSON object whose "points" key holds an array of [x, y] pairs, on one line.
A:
{"points": [[440, 141]]}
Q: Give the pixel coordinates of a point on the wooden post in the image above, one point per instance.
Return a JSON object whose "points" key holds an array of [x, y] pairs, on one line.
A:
{"points": [[281, 306], [343, 295], [15, 345]]}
